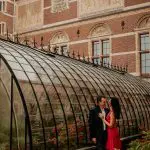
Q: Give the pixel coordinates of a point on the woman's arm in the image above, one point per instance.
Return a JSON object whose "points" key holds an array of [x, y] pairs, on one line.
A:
{"points": [[112, 120]]}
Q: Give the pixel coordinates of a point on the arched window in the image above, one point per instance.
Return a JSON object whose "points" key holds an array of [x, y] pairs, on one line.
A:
{"points": [[59, 43], [100, 43]]}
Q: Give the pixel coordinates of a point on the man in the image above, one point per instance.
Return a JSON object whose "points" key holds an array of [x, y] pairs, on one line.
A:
{"points": [[97, 128]]}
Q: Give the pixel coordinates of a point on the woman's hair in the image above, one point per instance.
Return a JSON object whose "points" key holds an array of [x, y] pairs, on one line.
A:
{"points": [[116, 107]]}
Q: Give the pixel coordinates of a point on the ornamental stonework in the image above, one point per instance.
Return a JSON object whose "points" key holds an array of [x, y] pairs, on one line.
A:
{"points": [[59, 38], [59, 5], [145, 23], [94, 7], [100, 30]]}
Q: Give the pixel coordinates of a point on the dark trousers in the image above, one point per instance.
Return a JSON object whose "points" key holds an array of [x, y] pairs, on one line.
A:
{"points": [[101, 141]]}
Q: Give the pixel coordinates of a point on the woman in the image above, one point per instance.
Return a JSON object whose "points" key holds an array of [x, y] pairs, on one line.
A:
{"points": [[113, 138]]}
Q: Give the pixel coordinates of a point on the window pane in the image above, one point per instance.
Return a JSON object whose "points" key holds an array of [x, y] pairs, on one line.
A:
{"points": [[148, 56], [106, 47], [64, 50], [148, 63], [96, 46], [145, 62], [106, 60], [15, 65], [97, 60], [145, 57], [148, 69], [21, 75], [9, 57], [145, 42]]}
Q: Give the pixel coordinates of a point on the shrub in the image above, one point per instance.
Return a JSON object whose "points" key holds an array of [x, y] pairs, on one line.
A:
{"points": [[141, 144]]}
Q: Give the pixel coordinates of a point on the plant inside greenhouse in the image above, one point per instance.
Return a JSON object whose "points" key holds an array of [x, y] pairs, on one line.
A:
{"points": [[45, 98]]}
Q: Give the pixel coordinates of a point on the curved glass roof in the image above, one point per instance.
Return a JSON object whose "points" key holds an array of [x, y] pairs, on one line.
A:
{"points": [[48, 97]]}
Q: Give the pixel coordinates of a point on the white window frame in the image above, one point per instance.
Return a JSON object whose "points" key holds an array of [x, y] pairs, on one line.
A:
{"points": [[3, 6], [145, 74], [59, 46], [2, 31], [101, 55]]}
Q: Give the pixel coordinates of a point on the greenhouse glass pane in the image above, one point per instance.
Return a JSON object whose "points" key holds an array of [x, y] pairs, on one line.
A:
{"points": [[20, 75], [20, 118], [5, 117]]}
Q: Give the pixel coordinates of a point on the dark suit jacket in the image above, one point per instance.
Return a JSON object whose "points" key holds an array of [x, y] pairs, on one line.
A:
{"points": [[96, 128]]}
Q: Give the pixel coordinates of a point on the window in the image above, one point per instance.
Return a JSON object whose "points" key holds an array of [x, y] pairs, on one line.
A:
{"points": [[56, 49], [2, 5], [105, 51], [62, 49], [96, 51], [145, 54], [2, 28], [101, 52]]}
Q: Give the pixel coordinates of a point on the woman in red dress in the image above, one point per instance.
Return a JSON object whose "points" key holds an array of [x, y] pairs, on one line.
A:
{"points": [[113, 138]]}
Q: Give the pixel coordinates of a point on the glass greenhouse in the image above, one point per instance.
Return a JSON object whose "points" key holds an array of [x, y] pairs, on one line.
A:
{"points": [[45, 99]]}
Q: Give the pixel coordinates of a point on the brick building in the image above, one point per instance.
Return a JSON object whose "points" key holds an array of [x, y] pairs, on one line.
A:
{"points": [[107, 31]]}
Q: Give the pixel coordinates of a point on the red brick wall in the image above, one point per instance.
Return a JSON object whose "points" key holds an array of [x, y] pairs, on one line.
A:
{"points": [[47, 3], [83, 30], [10, 8], [60, 16], [8, 20], [134, 2], [82, 47], [114, 24], [131, 63], [123, 60], [130, 23], [123, 44]]}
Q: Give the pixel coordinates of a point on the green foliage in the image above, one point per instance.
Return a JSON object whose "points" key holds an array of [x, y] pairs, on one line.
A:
{"points": [[3, 146], [5, 137], [141, 144]]}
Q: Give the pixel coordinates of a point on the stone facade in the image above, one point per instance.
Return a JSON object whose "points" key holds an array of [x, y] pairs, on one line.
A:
{"points": [[76, 24], [28, 16], [92, 7]]}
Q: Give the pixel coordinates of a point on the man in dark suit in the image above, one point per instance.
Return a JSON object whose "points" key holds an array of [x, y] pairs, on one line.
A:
{"points": [[97, 128]]}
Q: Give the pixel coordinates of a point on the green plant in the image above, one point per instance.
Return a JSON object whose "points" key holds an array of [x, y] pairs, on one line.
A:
{"points": [[3, 146], [141, 144]]}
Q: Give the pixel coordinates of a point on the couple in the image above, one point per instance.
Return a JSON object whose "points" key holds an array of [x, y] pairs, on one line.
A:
{"points": [[103, 125]]}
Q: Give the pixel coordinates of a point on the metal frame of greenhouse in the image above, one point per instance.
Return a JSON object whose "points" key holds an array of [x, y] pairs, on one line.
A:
{"points": [[49, 96]]}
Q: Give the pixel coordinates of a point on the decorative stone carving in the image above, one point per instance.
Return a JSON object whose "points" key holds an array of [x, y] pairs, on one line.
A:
{"points": [[59, 43], [59, 38], [144, 22], [92, 7], [100, 30], [59, 5]]}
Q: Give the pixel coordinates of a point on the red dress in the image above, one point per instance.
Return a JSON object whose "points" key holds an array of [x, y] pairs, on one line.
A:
{"points": [[113, 138]]}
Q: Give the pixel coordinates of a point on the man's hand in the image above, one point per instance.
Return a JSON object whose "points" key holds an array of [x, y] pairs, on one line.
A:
{"points": [[94, 140], [101, 116]]}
